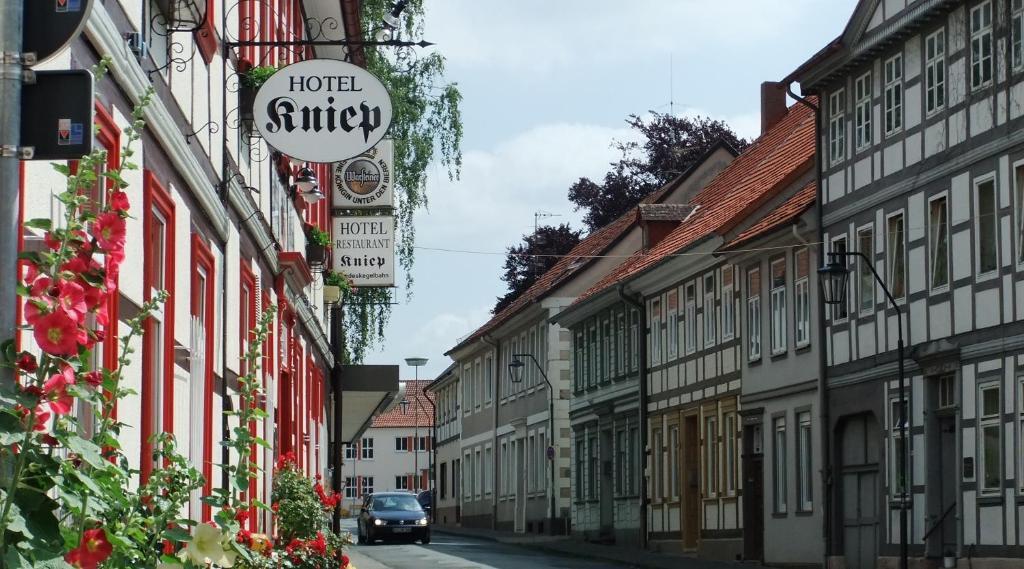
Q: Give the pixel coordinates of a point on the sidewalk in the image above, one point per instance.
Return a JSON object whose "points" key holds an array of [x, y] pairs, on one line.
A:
{"points": [[565, 545]]}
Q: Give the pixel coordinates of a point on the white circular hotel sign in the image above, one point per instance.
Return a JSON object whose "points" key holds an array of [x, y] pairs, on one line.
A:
{"points": [[322, 110]]}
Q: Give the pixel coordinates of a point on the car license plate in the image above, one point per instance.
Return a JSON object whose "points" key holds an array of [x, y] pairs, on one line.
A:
{"points": [[402, 530]]}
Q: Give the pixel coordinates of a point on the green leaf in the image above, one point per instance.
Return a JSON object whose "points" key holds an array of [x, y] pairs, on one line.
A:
{"points": [[17, 522], [40, 223], [179, 535], [262, 442], [88, 450], [14, 560]]}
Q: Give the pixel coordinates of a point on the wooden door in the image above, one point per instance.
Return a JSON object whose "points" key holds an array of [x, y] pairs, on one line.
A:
{"points": [[859, 498]]}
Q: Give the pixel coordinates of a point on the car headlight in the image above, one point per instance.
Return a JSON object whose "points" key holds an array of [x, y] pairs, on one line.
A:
{"points": [[378, 522], [421, 522]]}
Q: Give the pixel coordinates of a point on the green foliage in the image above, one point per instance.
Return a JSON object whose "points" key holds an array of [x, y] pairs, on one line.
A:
{"points": [[299, 511], [321, 238], [255, 78]]}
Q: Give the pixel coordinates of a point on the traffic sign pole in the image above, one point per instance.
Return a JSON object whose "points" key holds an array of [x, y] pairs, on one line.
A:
{"points": [[11, 69]]}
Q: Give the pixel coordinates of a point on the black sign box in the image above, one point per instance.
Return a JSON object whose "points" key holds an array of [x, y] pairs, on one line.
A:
{"points": [[57, 115], [50, 25]]}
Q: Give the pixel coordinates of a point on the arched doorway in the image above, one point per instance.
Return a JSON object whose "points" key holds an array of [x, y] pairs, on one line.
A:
{"points": [[858, 501]]}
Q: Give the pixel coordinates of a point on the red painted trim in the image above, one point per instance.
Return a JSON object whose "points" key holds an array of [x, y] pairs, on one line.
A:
{"points": [[206, 36], [109, 136], [247, 294], [21, 247], [157, 199], [203, 258]]}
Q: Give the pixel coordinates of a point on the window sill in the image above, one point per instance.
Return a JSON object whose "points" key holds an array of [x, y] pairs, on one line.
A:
{"points": [[754, 361], [803, 513], [996, 500], [779, 355], [803, 348], [780, 515]]}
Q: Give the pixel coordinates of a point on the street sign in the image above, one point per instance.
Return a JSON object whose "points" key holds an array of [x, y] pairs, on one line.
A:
{"points": [[366, 181], [322, 110], [364, 250], [50, 25], [57, 114]]}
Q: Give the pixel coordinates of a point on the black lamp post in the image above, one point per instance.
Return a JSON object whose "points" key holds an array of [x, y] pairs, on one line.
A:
{"points": [[515, 368], [834, 277], [416, 363]]}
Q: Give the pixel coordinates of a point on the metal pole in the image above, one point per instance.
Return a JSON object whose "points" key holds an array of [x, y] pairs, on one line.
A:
{"points": [[338, 348], [11, 16], [416, 438]]}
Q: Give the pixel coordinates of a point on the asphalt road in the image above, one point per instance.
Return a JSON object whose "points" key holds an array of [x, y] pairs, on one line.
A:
{"points": [[456, 552]]}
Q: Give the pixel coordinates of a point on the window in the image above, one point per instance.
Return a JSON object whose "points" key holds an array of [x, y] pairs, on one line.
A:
{"points": [[893, 94], [581, 462], [947, 391], [938, 242], [656, 332], [606, 351], [1017, 32], [539, 463], [754, 313], [802, 297], [634, 338], [350, 487], [580, 378], [477, 391], [593, 466], [779, 466], [531, 474], [1018, 180], [478, 482], [489, 378], [897, 421], [778, 300], [622, 462], [203, 301], [804, 452], [367, 448], [709, 310], [613, 346], [487, 468], [673, 462], [367, 485], [710, 456], [981, 45], [672, 330], [401, 444], [840, 311], [729, 434], [423, 444], [865, 278], [658, 460], [935, 71], [862, 111], [621, 342], [443, 479], [350, 452], [897, 256], [991, 441], [728, 304], [632, 457], [592, 367], [402, 483], [987, 226], [836, 126], [691, 318]]}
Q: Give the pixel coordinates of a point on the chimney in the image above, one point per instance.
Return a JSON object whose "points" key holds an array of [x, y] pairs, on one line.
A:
{"points": [[773, 104]]}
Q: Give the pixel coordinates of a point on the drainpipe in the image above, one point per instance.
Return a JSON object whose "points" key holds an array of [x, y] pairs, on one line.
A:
{"points": [[642, 407], [338, 350], [823, 414], [495, 397]]}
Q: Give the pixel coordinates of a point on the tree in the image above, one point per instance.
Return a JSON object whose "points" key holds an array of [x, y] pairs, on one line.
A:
{"points": [[538, 252], [669, 146]]}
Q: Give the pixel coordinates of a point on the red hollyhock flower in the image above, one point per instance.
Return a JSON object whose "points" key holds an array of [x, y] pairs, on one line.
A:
{"points": [[42, 418], [319, 545], [244, 537], [27, 363], [119, 201], [93, 378], [93, 550], [58, 334], [344, 561], [71, 299], [109, 231], [242, 515], [51, 240]]}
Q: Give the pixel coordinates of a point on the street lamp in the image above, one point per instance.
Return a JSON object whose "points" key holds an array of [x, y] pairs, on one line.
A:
{"points": [[835, 277], [516, 368], [306, 186], [416, 363]]}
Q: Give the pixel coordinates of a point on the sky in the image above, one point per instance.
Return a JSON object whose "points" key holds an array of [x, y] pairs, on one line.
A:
{"points": [[547, 87]]}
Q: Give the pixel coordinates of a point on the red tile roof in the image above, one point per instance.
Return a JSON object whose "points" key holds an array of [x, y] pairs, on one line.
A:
{"points": [[761, 171], [419, 412], [789, 210]]}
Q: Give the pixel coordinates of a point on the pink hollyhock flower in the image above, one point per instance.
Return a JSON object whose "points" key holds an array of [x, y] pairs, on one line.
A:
{"points": [[119, 201], [57, 334], [93, 378], [71, 298], [59, 382], [40, 285], [51, 240], [109, 231], [42, 418], [93, 550]]}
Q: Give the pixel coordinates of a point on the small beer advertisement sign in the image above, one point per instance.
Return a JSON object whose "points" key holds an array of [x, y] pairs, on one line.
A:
{"points": [[366, 181], [364, 250]]}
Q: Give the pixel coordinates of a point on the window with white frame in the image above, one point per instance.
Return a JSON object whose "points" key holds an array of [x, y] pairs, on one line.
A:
{"points": [[777, 291], [836, 126], [865, 278], [897, 240], [655, 331], [632, 460], [728, 303], [710, 314], [593, 467], [862, 111], [938, 242], [478, 391], [658, 462], [351, 491], [581, 468], [606, 351], [621, 337], [989, 430], [478, 480], [779, 466], [897, 421], [538, 464], [672, 330], [488, 378], [754, 313], [423, 444], [506, 473], [935, 71], [634, 339], [691, 318], [367, 448], [402, 483], [401, 444], [467, 398], [1017, 32], [1018, 182], [729, 440], [531, 474], [581, 358], [804, 465], [673, 462], [613, 350], [711, 456], [467, 479], [592, 367], [981, 44], [350, 452], [893, 94], [367, 485], [987, 216], [802, 296], [488, 471]]}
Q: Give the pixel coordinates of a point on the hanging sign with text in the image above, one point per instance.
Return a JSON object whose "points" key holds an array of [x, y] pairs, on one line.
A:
{"points": [[322, 110], [364, 250], [367, 180]]}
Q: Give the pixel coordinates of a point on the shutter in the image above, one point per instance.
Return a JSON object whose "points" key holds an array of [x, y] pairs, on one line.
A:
{"points": [[430, 443], [408, 482], [359, 486], [411, 442]]}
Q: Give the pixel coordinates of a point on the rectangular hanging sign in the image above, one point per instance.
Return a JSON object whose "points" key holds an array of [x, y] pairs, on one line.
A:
{"points": [[367, 180], [364, 249]]}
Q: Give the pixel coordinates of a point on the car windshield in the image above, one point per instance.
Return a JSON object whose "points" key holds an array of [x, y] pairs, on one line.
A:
{"points": [[396, 504]]}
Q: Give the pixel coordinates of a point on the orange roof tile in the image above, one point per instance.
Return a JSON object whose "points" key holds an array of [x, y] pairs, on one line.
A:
{"points": [[763, 169], [419, 412], [789, 210]]}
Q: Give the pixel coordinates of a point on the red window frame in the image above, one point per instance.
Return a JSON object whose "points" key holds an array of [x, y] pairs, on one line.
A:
{"points": [[202, 258], [247, 335], [157, 200], [206, 36], [266, 377]]}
